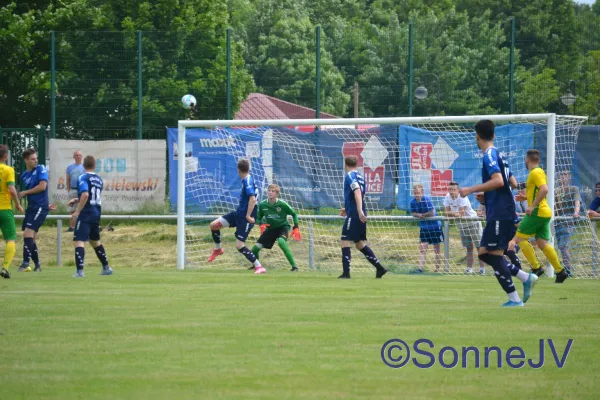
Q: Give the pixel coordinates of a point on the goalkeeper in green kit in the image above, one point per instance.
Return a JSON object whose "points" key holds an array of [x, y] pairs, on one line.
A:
{"points": [[276, 228]]}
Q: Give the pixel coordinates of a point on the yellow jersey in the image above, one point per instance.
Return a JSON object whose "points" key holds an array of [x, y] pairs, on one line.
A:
{"points": [[7, 177], [536, 179]]}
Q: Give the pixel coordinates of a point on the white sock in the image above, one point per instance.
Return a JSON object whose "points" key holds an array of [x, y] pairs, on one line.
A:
{"points": [[217, 246], [257, 264], [523, 276], [514, 296]]}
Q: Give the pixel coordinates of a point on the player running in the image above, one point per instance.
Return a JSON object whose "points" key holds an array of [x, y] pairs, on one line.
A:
{"points": [[275, 211], [7, 218], [242, 219], [537, 220], [500, 213]]}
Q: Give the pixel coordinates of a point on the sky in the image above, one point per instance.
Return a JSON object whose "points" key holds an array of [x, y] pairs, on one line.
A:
{"points": [[585, 1]]}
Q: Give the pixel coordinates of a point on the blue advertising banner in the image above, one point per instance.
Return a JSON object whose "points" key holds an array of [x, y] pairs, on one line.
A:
{"points": [[308, 167], [433, 159]]}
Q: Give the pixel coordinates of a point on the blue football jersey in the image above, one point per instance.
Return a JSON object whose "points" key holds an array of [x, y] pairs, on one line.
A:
{"points": [[249, 188], [499, 203], [30, 180], [353, 181], [92, 184]]}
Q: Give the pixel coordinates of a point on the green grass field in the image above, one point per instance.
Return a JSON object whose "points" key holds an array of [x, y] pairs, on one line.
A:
{"points": [[157, 333]]}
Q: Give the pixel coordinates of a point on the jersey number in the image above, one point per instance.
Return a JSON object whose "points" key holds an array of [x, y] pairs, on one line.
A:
{"points": [[95, 200]]}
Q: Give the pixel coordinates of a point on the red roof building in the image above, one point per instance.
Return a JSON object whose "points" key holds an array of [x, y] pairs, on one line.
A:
{"points": [[261, 106]]}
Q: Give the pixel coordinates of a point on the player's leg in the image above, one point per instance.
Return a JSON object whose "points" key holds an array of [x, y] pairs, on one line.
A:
{"points": [[348, 236], [71, 209], [561, 273], [99, 249], [437, 249], [527, 228], [467, 243], [242, 231], [265, 241], [282, 237], [9, 232], [563, 238], [362, 246], [493, 244], [215, 229], [80, 236]]}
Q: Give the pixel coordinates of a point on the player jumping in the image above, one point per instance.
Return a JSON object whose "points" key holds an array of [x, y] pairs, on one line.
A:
{"points": [[242, 219]]}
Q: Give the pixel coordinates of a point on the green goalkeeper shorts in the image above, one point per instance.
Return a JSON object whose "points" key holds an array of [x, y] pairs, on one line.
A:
{"points": [[7, 225]]}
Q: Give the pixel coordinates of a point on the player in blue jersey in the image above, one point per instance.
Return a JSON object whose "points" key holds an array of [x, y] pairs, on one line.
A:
{"points": [[500, 214], [87, 214], [355, 224], [35, 184], [242, 219]]}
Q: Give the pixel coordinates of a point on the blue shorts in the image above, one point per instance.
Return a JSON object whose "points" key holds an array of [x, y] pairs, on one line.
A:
{"points": [[86, 230], [431, 236], [497, 234], [34, 218], [354, 230], [238, 221]]}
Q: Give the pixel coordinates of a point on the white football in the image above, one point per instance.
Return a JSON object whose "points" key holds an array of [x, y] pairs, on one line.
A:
{"points": [[188, 101]]}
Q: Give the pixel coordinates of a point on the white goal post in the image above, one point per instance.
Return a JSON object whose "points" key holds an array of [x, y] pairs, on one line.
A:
{"points": [[446, 152]]}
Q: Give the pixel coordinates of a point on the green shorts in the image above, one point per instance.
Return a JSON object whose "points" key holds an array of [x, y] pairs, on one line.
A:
{"points": [[532, 225], [7, 225]]}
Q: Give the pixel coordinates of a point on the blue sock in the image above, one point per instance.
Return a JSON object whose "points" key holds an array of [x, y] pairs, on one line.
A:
{"points": [[515, 265], [501, 270], [28, 244], [101, 254], [79, 257], [346, 257], [370, 256], [248, 254]]}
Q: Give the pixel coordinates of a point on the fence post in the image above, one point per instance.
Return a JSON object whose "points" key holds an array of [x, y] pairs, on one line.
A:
{"points": [[511, 70], [311, 245], [59, 243], [52, 85], [410, 67], [228, 72], [446, 246], [318, 82], [140, 97]]}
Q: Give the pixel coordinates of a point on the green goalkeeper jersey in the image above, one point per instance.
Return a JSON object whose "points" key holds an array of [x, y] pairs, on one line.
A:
{"points": [[275, 214]]}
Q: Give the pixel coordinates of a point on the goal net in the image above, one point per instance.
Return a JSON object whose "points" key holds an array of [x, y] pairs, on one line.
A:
{"points": [[395, 156]]}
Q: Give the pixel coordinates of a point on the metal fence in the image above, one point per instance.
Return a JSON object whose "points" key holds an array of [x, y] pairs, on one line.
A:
{"points": [[111, 85]]}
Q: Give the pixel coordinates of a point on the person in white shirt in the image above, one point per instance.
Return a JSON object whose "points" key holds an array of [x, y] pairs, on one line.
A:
{"points": [[470, 231]]}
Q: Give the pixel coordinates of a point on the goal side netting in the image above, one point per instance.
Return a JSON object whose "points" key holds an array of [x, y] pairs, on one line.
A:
{"points": [[395, 155]]}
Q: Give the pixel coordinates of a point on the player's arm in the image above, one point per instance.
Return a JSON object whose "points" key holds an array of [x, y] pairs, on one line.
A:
{"points": [[577, 202], [540, 182], [14, 196], [292, 212], [359, 205], [512, 181], [496, 182], [430, 212], [593, 207], [413, 210], [40, 187], [82, 202], [68, 187], [251, 205]]}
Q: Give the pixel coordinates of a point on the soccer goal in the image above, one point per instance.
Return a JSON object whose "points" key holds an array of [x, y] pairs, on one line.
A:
{"points": [[305, 158]]}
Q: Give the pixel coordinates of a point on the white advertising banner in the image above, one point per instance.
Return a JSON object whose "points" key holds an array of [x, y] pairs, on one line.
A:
{"points": [[133, 171]]}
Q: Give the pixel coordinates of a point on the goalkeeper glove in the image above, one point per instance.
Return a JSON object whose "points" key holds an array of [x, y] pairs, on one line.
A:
{"points": [[263, 228], [296, 234]]}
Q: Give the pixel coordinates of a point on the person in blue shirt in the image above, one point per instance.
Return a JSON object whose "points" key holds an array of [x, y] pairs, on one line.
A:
{"points": [[355, 223], [422, 207], [500, 214], [87, 215], [34, 181], [595, 204], [74, 171], [242, 219]]}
